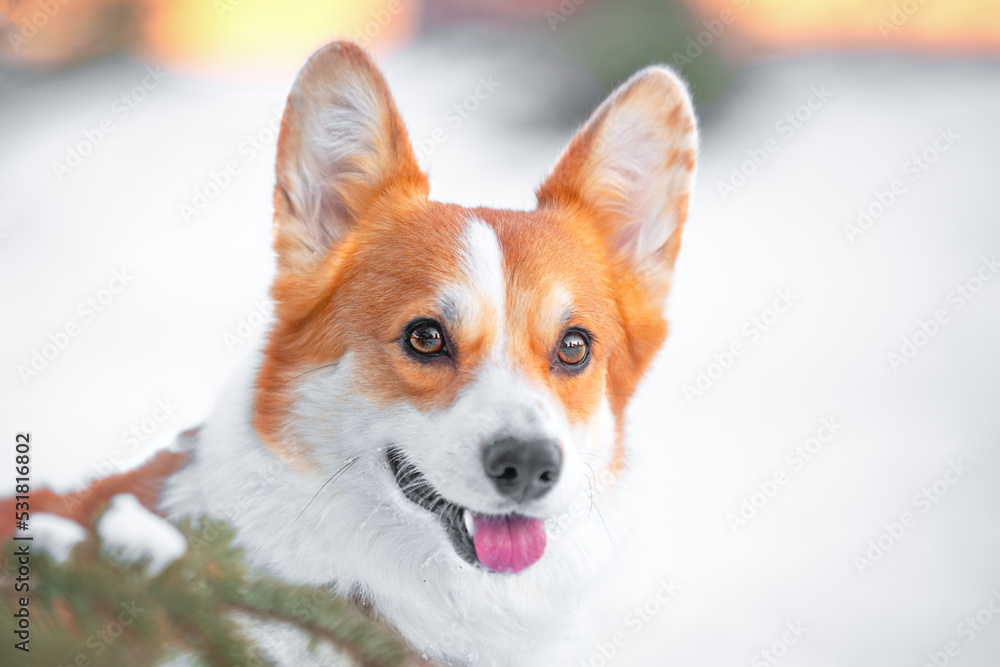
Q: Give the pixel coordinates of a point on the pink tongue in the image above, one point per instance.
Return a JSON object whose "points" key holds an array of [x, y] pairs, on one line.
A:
{"points": [[508, 544]]}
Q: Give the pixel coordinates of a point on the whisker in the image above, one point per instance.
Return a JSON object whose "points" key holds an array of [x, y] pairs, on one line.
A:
{"points": [[606, 529], [594, 507], [591, 487], [332, 479]]}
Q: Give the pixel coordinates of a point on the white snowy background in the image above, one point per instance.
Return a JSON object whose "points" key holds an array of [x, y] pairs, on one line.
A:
{"points": [[694, 460]]}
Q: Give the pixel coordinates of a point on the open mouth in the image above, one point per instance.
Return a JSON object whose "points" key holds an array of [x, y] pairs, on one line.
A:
{"points": [[507, 544]]}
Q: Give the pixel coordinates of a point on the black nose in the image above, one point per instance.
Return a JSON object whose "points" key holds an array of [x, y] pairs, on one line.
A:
{"points": [[523, 469]]}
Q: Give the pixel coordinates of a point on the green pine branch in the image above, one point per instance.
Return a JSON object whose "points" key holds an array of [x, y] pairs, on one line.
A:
{"points": [[96, 610]]}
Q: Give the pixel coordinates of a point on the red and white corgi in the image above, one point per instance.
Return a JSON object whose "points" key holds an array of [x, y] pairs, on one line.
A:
{"points": [[441, 384]]}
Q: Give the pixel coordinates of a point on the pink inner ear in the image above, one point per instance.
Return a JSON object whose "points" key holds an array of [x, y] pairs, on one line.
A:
{"points": [[640, 175], [333, 138], [341, 143], [632, 164]]}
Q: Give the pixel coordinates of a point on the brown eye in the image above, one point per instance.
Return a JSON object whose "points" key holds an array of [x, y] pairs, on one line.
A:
{"points": [[426, 338], [574, 349]]}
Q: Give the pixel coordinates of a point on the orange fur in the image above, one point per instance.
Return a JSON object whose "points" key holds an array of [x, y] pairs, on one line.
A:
{"points": [[145, 483]]}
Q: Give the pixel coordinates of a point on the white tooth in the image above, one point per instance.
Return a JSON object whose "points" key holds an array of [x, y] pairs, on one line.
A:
{"points": [[470, 525]]}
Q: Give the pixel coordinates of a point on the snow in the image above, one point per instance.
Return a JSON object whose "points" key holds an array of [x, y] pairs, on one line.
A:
{"points": [[132, 532], [55, 535]]}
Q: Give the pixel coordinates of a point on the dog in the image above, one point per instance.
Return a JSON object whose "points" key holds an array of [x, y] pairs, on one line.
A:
{"points": [[441, 386]]}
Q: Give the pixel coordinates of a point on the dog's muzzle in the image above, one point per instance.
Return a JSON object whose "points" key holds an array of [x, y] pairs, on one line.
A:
{"points": [[505, 543]]}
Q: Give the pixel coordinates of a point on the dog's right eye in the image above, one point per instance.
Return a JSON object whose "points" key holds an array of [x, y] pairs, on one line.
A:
{"points": [[426, 338]]}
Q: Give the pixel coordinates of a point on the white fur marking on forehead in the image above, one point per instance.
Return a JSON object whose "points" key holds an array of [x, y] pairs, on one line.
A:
{"points": [[482, 262], [482, 287]]}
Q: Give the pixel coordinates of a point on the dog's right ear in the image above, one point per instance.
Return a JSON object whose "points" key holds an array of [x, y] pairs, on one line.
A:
{"points": [[342, 144]]}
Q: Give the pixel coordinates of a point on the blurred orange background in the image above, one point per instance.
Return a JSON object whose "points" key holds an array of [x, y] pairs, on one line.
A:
{"points": [[276, 35]]}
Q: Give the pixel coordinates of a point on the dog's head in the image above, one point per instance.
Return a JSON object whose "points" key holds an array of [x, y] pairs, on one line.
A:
{"points": [[473, 364]]}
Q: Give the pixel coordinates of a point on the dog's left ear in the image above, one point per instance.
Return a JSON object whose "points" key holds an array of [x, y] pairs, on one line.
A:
{"points": [[342, 145], [631, 170]]}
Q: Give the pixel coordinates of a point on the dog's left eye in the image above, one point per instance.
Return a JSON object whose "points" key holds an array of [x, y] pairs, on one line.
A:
{"points": [[574, 349], [426, 338]]}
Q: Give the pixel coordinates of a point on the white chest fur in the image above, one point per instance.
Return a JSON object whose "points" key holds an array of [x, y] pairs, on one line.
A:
{"points": [[348, 537]]}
